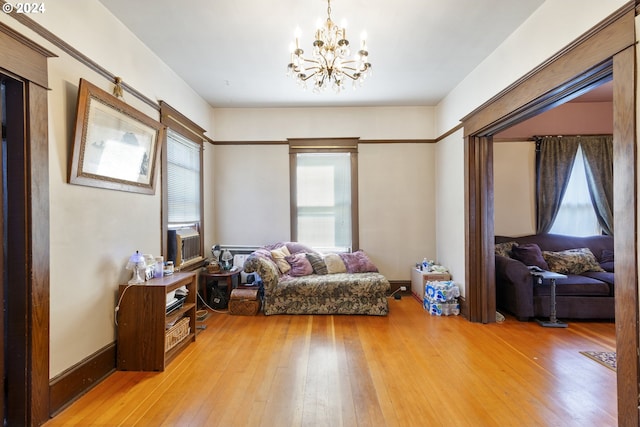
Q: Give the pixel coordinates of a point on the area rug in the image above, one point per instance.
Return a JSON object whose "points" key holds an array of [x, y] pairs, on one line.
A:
{"points": [[606, 358]]}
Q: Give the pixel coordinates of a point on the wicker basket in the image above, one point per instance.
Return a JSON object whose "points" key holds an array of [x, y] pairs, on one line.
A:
{"points": [[244, 302], [176, 333]]}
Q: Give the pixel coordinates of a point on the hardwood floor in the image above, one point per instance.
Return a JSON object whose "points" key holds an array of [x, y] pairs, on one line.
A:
{"points": [[405, 369]]}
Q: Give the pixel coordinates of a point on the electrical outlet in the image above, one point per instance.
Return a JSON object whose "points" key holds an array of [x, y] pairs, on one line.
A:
{"points": [[403, 288]]}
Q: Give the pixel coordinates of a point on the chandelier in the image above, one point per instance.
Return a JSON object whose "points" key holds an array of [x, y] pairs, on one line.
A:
{"points": [[329, 64]]}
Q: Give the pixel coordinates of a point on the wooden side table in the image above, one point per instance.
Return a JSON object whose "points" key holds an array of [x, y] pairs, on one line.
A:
{"points": [[222, 275]]}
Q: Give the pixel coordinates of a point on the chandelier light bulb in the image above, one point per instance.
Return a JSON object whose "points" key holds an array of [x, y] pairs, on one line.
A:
{"points": [[329, 63]]}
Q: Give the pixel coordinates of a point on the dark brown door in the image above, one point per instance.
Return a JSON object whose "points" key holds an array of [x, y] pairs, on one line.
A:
{"points": [[2, 234], [13, 254]]}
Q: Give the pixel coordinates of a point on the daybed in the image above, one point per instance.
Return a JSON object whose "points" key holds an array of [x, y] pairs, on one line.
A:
{"points": [[588, 291], [314, 284]]}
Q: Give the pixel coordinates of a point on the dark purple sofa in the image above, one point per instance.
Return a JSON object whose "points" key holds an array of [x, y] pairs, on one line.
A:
{"points": [[589, 295]]}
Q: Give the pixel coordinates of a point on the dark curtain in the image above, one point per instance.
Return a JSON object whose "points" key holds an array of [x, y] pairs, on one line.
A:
{"points": [[554, 159], [598, 166]]}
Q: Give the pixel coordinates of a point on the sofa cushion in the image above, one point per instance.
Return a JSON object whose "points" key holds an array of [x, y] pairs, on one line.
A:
{"points": [[607, 260], [300, 265], [298, 248], [341, 293], [604, 276], [332, 286], [572, 261], [529, 254], [358, 262], [505, 248], [278, 256], [608, 266], [606, 255], [334, 264], [317, 263], [559, 242], [574, 285]]}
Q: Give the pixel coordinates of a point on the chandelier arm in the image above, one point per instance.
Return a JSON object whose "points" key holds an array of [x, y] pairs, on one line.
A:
{"points": [[304, 79], [354, 69], [351, 76], [311, 61]]}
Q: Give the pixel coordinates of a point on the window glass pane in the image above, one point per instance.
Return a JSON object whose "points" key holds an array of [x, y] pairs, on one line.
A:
{"points": [[316, 185], [183, 180], [324, 200], [576, 216], [317, 231]]}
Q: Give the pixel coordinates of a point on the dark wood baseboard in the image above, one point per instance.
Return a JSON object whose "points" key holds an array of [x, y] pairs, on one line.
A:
{"points": [[395, 285], [464, 309], [66, 387]]}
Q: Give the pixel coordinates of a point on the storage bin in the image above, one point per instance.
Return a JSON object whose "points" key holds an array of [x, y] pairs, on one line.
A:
{"points": [[176, 333], [244, 302]]}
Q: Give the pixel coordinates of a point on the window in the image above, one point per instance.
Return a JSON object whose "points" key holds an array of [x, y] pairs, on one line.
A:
{"points": [[182, 212], [576, 216], [183, 181], [324, 194]]}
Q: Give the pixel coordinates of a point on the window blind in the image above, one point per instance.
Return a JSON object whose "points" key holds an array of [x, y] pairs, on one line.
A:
{"points": [[183, 180]]}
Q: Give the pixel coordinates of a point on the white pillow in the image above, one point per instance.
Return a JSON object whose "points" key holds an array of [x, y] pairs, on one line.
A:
{"points": [[278, 256], [334, 264]]}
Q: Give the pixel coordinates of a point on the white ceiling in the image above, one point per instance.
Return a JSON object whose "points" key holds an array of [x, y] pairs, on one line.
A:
{"points": [[234, 52]]}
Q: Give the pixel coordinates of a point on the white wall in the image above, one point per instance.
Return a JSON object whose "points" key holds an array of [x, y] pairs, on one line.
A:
{"points": [[278, 124], [397, 194], [514, 188], [396, 180], [252, 194], [94, 231], [530, 45], [449, 207]]}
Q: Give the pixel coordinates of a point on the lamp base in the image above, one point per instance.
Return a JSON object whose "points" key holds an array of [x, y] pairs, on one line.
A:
{"points": [[136, 278]]}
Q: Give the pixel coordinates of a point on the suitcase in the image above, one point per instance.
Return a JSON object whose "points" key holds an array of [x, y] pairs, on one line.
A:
{"points": [[244, 302]]}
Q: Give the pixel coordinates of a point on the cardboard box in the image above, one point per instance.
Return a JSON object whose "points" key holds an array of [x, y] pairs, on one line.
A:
{"points": [[420, 278]]}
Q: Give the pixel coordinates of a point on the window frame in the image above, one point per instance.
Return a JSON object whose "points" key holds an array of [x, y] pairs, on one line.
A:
{"points": [[180, 124], [324, 145]]}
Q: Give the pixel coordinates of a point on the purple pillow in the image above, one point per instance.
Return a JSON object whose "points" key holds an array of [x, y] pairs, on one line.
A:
{"points": [[300, 265], [297, 247], [530, 254], [607, 266], [606, 256], [358, 262]]}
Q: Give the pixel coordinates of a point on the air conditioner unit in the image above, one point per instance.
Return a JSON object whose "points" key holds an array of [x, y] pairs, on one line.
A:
{"points": [[187, 245]]}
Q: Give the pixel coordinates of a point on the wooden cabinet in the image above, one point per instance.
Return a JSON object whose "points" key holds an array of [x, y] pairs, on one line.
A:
{"points": [[146, 340]]}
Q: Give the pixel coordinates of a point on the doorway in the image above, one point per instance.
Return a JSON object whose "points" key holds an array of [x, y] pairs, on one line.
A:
{"points": [[607, 50], [25, 230], [14, 348]]}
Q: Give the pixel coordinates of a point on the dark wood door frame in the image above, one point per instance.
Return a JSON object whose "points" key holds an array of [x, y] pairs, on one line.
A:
{"points": [[26, 63], [606, 51]]}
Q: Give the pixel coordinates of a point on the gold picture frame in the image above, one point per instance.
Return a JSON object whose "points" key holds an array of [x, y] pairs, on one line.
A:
{"points": [[114, 146]]}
